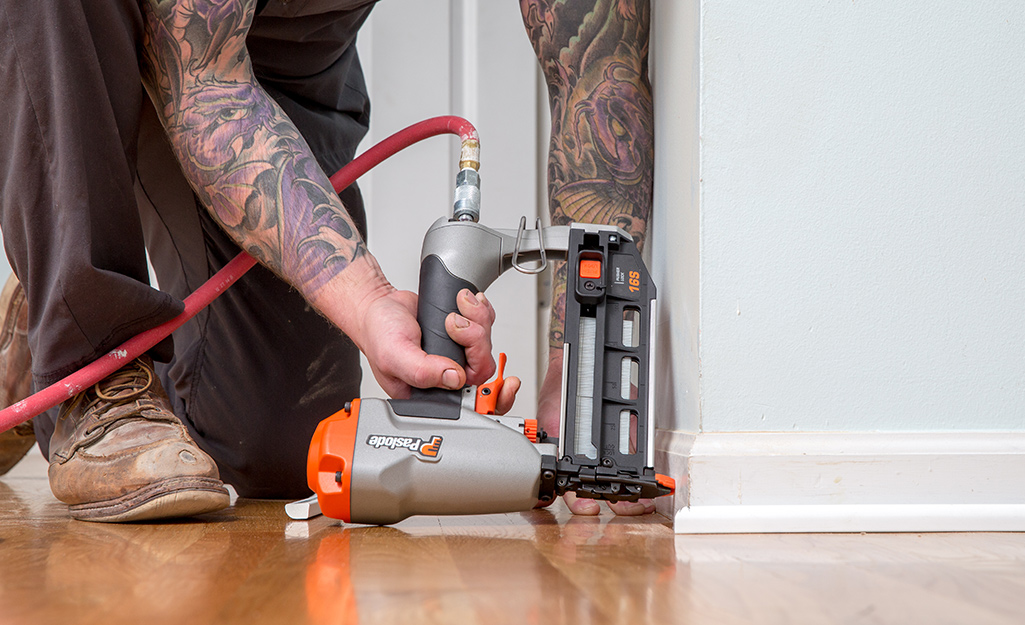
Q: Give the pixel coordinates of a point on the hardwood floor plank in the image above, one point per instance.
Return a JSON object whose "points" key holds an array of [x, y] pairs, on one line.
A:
{"points": [[845, 578], [625, 566], [251, 564]]}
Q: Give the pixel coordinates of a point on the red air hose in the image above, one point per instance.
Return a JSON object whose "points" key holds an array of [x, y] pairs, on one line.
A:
{"points": [[201, 298]]}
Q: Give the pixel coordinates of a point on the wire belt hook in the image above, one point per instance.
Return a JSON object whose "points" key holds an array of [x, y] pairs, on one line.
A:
{"points": [[540, 244]]}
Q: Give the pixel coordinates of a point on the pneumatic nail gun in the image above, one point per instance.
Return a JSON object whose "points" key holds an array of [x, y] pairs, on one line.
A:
{"points": [[440, 452]]}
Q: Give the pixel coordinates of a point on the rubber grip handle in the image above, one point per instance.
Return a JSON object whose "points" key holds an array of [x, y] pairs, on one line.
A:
{"points": [[437, 298]]}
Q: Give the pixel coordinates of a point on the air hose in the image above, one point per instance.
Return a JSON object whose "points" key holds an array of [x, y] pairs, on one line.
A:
{"points": [[469, 157]]}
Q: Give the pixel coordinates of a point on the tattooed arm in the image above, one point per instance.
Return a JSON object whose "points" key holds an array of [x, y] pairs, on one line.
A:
{"points": [[594, 55], [258, 178], [246, 161]]}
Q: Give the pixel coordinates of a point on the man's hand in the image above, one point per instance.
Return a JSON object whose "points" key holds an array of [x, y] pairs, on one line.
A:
{"points": [[381, 321], [389, 336]]}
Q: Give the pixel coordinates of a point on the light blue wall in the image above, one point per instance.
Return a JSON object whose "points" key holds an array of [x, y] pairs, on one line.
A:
{"points": [[860, 206]]}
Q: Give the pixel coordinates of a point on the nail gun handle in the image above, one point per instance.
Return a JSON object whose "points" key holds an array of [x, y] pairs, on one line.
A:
{"points": [[437, 298]]}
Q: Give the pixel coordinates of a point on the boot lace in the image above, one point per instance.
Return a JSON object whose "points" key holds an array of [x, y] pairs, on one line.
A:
{"points": [[124, 386]]}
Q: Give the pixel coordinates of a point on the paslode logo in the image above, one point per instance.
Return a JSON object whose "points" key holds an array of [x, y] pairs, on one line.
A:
{"points": [[428, 449]]}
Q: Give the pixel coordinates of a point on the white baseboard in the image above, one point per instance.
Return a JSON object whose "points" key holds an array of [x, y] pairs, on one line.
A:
{"points": [[835, 518], [846, 482]]}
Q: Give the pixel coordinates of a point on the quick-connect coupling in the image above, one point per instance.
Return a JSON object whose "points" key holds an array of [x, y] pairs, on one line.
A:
{"points": [[466, 205]]}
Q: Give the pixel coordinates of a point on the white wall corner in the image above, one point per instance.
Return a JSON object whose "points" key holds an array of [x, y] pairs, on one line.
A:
{"points": [[847, 482]]}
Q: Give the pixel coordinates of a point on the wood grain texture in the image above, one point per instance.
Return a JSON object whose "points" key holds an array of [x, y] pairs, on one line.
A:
{"points": [[251, 564]]}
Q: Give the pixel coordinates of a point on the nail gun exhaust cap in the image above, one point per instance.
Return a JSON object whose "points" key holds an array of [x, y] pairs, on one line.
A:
{"points": [[329, 463]]}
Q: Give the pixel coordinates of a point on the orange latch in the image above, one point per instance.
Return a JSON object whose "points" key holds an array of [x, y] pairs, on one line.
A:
{"points": [[487, 394], [590, 269]]}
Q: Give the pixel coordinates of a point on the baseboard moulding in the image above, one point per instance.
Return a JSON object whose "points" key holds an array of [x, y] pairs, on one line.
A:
{"points": [[838, 518], [845, 482]]}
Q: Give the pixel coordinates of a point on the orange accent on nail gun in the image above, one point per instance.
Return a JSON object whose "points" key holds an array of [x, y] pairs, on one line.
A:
{"points": [[331, 457], [432, 447], [530, 429], [666, 482], [590, 269], [487, 394]]}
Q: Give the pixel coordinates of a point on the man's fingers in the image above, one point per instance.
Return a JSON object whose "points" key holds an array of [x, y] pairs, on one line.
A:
{"points": [[438, 371], [404, 362], [633, 508], [412, 366], [581, 506], [507, 395], [476, 339], [476, 308], [591, 507]]}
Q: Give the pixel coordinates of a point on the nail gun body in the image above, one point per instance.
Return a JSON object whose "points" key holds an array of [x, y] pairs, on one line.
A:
{"points": [[381, 461]]}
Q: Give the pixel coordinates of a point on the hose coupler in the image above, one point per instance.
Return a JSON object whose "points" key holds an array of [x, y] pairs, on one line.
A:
{"points": [[466, 205]]}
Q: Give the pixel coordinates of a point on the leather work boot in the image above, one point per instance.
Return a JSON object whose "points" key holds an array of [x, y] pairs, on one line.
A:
{"points": [[15, 371], [118, 453]]}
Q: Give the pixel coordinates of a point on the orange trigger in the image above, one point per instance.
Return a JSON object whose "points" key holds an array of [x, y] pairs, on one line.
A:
{"points": [[487, 394]]}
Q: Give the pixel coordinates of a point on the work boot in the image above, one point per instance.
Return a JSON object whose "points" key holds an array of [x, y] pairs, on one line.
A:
{"points": [[15, 371], [118, 453]]}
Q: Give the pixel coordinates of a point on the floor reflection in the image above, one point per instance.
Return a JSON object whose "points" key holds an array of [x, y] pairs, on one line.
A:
{"points": [[170, 569], [251, 564], [542, 570]]}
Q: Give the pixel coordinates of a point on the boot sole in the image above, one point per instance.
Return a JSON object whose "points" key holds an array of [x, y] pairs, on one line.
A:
{"points": [[168, 499]]}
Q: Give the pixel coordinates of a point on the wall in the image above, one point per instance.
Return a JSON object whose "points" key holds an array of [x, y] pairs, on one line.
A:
{"points": [[839, 189], [860, 212], [862, 216]]}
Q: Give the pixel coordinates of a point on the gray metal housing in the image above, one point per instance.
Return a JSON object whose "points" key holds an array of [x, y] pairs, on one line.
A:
{"points": [[482, 467], [479, 254]]}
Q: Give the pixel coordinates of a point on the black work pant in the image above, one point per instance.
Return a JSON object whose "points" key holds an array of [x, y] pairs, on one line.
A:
{"points": [[89, 182]]}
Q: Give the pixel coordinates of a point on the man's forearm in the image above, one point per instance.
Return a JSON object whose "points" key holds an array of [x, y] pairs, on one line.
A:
{"points": [[594, 55], [257, 176], [245, 159]]}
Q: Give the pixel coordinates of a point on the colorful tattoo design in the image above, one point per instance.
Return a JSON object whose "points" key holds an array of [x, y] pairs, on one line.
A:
{"points": [[594, 55], [245, 159]]}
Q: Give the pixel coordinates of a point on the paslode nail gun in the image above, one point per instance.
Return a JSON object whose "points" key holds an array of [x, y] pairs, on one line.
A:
{"points": [[442, 452]]}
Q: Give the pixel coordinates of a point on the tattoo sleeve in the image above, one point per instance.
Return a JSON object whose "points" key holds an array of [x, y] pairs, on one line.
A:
{"points": [[242, 155], [594, 55]]}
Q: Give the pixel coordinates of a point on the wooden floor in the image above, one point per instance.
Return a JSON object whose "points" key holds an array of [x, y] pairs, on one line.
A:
{"points": [[250, 564]]}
